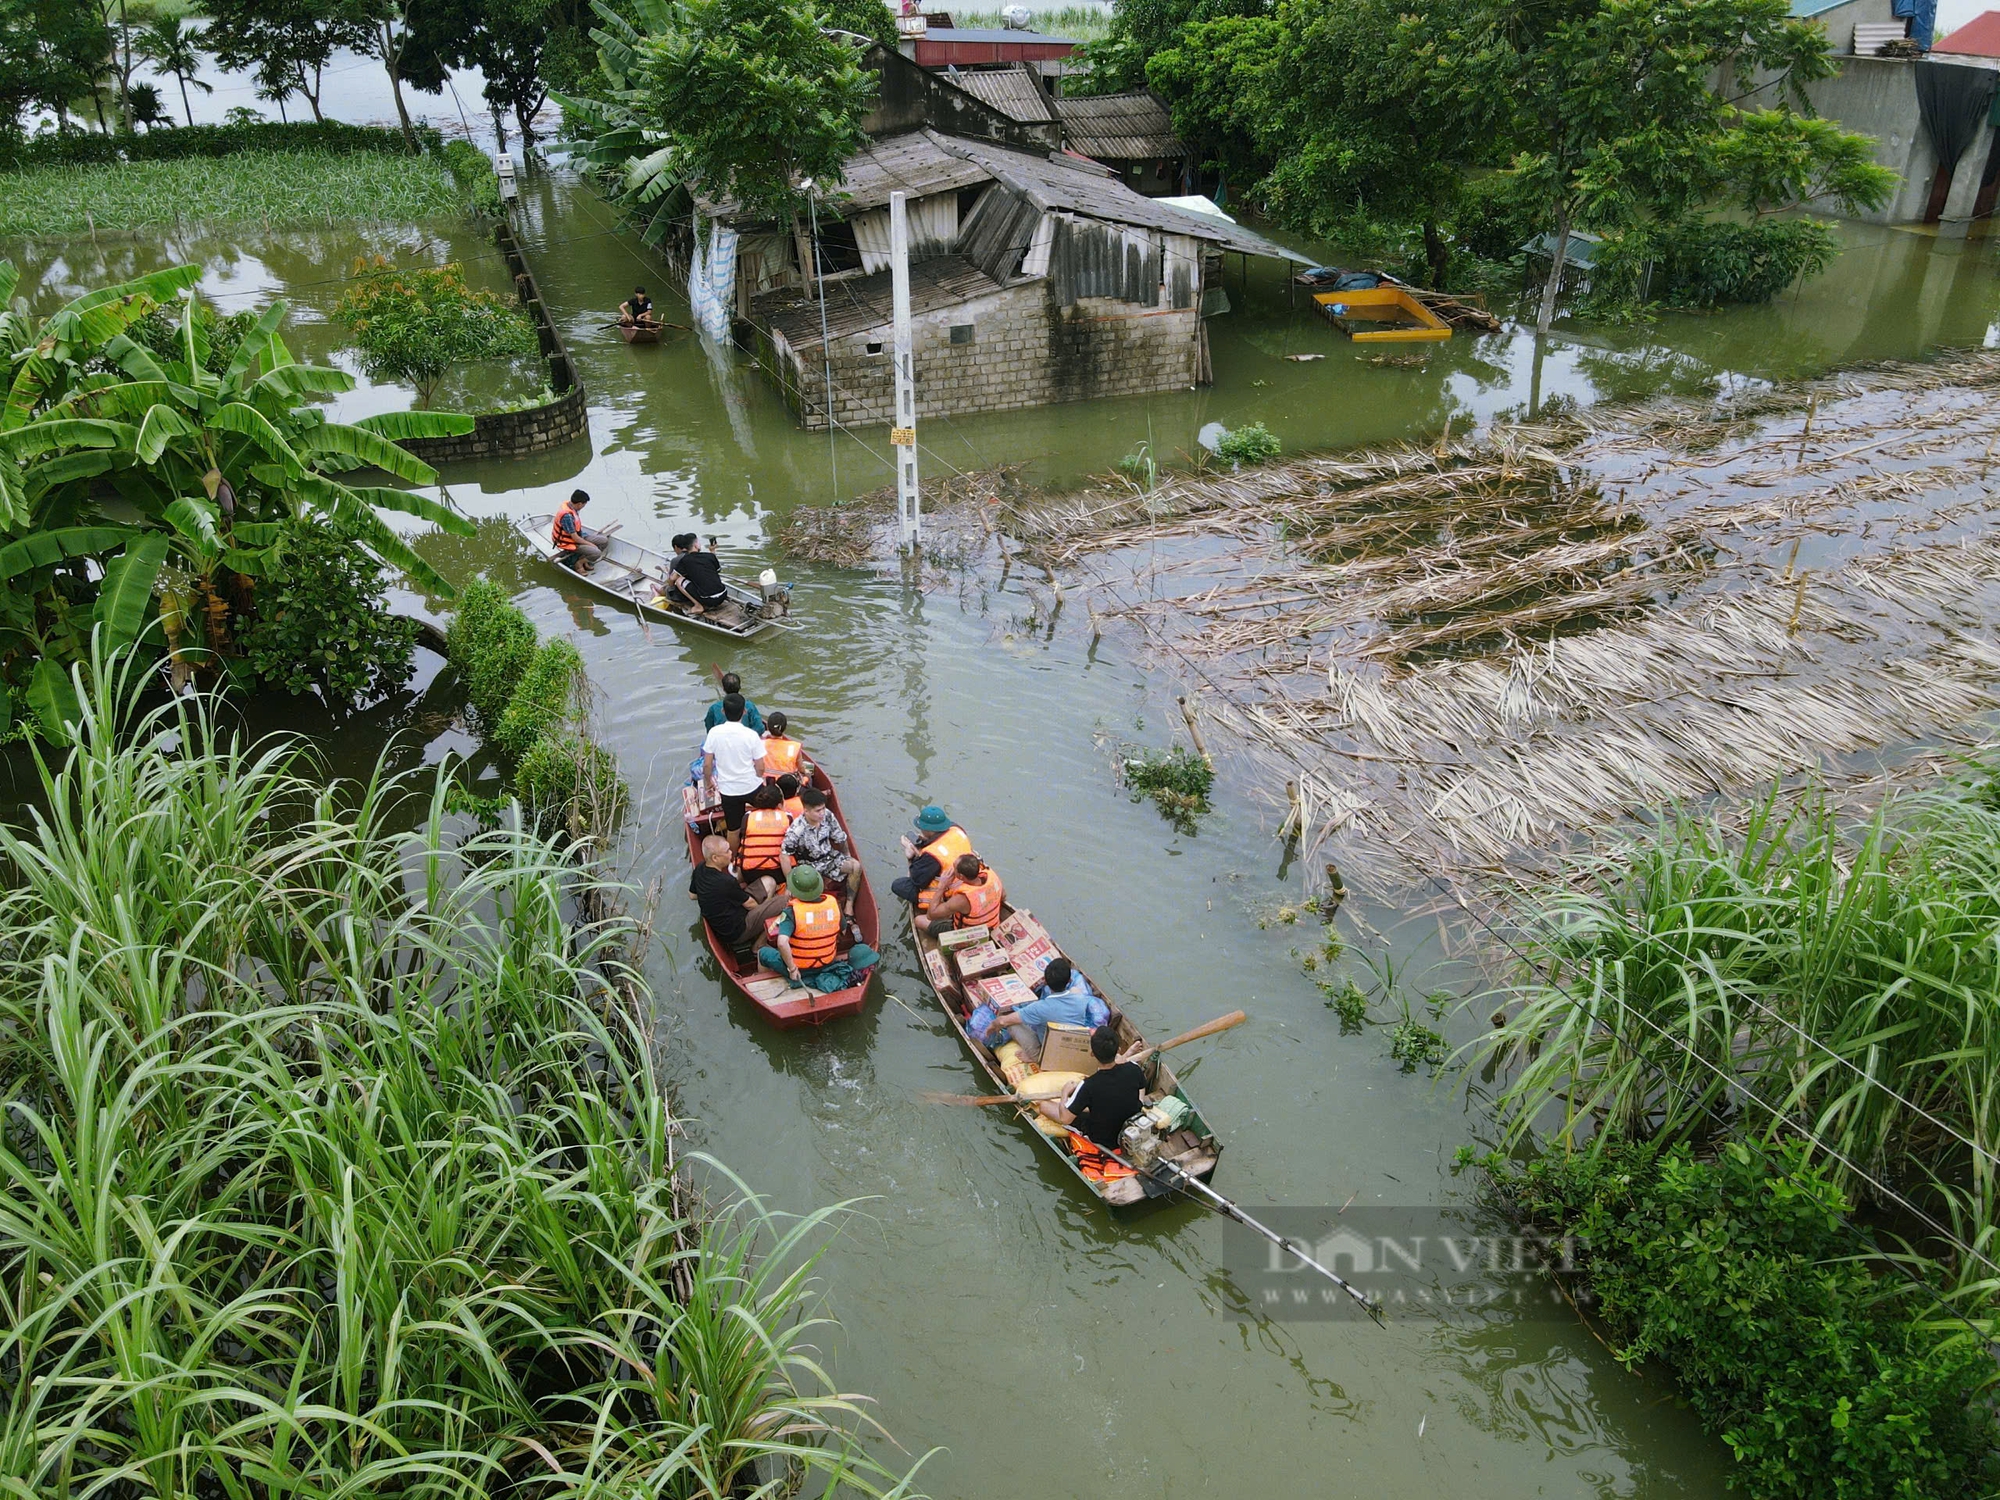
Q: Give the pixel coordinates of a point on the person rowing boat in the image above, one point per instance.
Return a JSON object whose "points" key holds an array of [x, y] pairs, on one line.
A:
{"points": [[636, 311]]}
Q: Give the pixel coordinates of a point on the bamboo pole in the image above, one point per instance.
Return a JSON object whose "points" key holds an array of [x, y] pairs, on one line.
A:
{"points": [[1194, 731]]}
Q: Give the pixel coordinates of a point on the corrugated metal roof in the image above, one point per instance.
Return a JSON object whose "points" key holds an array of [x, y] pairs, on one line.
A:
{"points": [[1013, 91], [863, 304], [1119, 127], [1081, 187], [988, 34], [912, 163], [1979, 37]]}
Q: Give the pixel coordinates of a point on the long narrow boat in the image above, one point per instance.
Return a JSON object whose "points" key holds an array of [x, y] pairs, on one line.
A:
{"points": [[632, 575], [1193, 1148], [783, 1003]]}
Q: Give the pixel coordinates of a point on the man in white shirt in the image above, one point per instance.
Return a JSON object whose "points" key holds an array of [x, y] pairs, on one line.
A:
{"points": [[732, 765]]}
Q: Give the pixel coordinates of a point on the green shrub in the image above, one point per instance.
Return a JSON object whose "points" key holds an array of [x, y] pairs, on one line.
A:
{"points": [[1492, 220], [1178, 781], [491, 644], [417, 325], [330, 137], [1348, 1001], [1737, 1274], [160, 333], [1247, 445], [565, 776], [545, 698], [323, 621], [472, 170], [1709, 262]]}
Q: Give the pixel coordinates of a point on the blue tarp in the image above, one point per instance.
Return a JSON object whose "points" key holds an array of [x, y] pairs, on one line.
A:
{"points": [[1922, 16]]}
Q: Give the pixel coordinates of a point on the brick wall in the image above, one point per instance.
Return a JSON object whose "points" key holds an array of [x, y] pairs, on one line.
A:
{"points": [[1024, 350], [534, 429]]}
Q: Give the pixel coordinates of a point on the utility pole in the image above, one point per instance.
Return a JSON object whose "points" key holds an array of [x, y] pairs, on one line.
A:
{"points": [[903, 436]]}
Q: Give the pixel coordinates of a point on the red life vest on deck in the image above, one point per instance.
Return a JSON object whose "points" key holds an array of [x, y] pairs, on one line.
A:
{"points": [[1095, 1162], [781, 756], [945, 849], [815, 932], [983, 897], [565, 540], [764, 831]]}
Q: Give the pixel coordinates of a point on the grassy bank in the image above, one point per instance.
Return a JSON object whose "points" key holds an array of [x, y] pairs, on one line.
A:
{"points": [[335, 1161], [275, 189]]}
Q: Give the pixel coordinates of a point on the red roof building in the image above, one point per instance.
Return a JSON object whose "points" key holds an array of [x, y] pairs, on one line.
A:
{"points": [[963, 47], [1979, 37]]}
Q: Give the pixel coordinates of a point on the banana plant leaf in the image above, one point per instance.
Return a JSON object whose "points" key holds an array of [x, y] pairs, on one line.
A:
{"points": [[44, 549], [51, 696], [126, 594]]}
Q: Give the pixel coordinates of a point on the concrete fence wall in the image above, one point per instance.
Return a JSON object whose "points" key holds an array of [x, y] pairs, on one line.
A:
{"points": [[533, 429]]}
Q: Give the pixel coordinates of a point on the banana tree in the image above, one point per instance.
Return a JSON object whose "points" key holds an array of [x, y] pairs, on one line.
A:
{"points": [[208, 467]]}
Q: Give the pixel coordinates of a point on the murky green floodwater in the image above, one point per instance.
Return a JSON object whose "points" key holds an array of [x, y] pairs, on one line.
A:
{"points": [[1046, 1348]]}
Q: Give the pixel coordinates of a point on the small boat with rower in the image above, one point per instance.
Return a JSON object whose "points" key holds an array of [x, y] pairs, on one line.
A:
{"points": [[636, 577], [783, 1003], [972, 967]]}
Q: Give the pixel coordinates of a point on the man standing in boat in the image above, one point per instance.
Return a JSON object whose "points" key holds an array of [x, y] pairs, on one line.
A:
{"points": [[636, 311], [577, 546]]}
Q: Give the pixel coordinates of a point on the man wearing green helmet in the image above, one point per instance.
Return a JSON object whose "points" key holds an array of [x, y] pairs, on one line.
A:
{"points": [[808, 937]]}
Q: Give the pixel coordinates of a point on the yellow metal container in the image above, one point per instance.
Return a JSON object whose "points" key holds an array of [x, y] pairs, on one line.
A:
{"points": [[1404, 319]]}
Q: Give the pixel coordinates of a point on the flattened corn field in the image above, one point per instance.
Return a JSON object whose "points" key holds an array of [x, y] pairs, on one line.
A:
{"points": [[1472, 656]]}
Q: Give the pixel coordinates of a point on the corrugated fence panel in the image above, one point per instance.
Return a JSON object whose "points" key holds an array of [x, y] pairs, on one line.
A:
{"points": [[999, 231]]}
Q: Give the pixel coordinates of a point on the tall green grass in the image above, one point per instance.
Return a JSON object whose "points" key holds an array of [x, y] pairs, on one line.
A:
{"points": [[275, 189], [1083, 23], [1794, 977], [334, 1163]]}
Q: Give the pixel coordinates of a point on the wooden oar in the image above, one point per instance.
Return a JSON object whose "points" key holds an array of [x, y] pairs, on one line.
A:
{"points": [[1220, 1023]]}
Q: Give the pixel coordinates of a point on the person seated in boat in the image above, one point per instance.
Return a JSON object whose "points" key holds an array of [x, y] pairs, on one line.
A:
{"points": [[636, 311], [788, 790], [1068, 1001], [695, 577], [577, 546], [816, 840], [1102, 1105], [807, 938], [969, 896], [938, 845], [732, 766], [731, 683], [759, 852], [734, 915], [786, 755]]}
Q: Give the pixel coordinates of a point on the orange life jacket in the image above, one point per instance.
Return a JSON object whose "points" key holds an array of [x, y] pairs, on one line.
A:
{"points": [[781, 756], [983, 897], [945, 849], [764, 831], [565, 541], [795, 807], [815, 932], [1095, 1162]]}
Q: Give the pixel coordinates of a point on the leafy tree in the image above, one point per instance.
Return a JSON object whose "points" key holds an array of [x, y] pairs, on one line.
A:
{"points": [[870, 18], [51, 52], [175, 49], [419, 325], [515, 44], [287, 43], [1773, 160], [146, 106], [209, 468], [1606, 109], [324, 624], [1142, 28]]}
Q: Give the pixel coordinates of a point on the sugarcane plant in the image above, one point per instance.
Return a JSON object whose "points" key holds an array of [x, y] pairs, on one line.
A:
{"points": [[210, 466]]}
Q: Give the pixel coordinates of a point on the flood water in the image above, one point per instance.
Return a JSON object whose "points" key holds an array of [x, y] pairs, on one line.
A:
{"points": [[983, 1300]]}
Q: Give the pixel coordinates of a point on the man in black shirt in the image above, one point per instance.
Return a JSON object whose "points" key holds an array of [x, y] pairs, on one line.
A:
{"points": [[1108, 1098], [735, 916], [696, 576]]}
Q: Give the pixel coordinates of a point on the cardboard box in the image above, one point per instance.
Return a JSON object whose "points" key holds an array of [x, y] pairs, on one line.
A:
{"points": [[939, 971], [980, 958], [1001, 991], [1031, 957], [1020, 927], [1067, 1049], [961, 937]]}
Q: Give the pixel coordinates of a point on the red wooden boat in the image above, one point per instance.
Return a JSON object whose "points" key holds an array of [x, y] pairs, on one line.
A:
{"points": [[783, 1003]]}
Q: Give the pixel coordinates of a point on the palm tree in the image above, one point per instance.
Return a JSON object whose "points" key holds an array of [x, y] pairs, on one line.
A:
{"points": [[176, 51]]}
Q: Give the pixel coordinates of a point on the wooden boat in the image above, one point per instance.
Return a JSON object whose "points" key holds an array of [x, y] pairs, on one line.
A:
{"points": [[632, 575], [1194, 1148], [784, 1004], [632, 333]]}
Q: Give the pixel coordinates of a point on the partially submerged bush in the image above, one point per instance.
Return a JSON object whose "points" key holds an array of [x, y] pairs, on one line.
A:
{"points": [[417, 325], [323, 622], [548, 696], [472, 170], [567, 777], [1247, 445], [1178, 781], [1704, 263], [492, 645]]}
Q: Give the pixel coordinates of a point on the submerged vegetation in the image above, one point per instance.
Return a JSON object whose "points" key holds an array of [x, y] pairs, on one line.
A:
{"points": [[1178, 781], [419, 324], [277, 190], [336, 1160]]}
